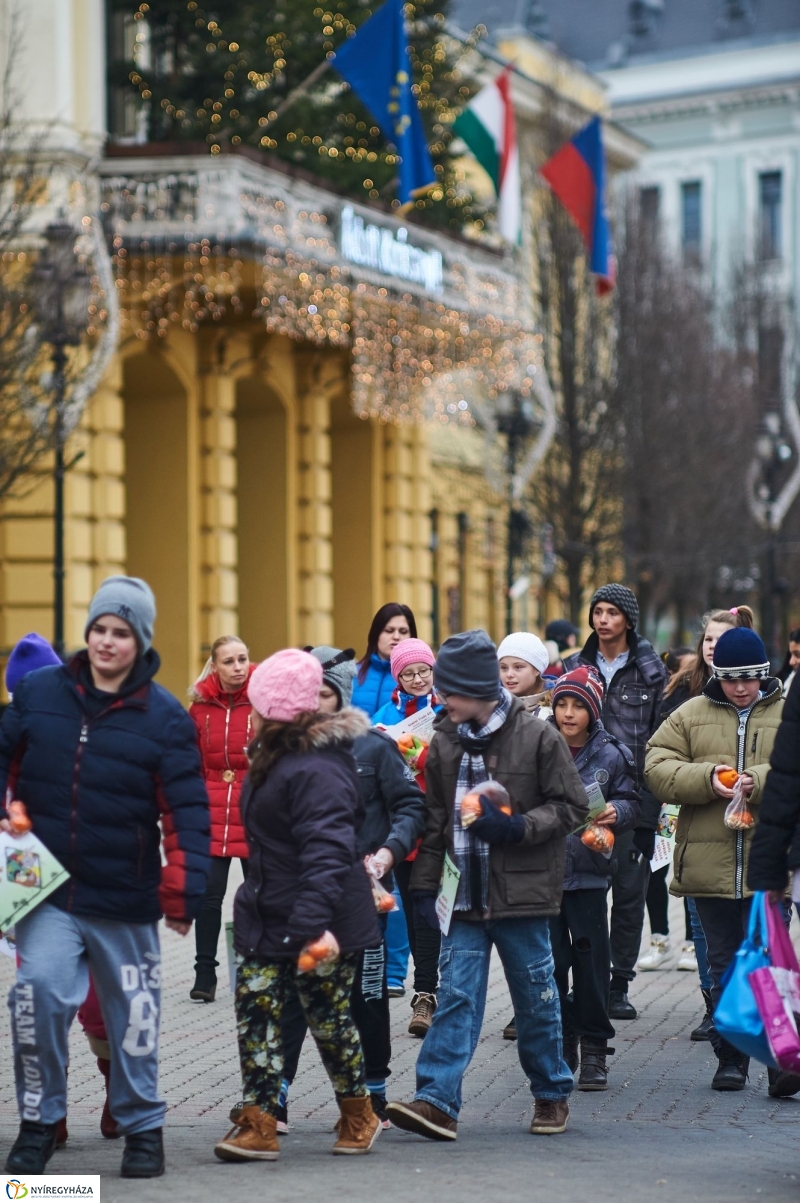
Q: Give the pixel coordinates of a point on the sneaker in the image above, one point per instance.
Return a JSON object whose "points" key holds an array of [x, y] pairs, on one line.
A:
{"points": [[282, 1120], [359, 1126], [423, 1119], [658, 954], [422, 1008], [550, 1116], [398, 991], [33, 1148], [687, 961], [620, 1006], [379, 1107], [510, 1030], [143, 1156], [252, 1138]]}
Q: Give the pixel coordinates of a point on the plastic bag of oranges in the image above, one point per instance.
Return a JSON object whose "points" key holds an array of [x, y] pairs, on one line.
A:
{"points": [[318, 955], [471, 808], [599, 839], [384, 901], [737, 816]]}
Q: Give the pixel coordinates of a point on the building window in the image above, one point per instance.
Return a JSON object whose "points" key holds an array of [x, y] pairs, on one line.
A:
{"points": [[691, 226], [649, 201], [770, 213]]}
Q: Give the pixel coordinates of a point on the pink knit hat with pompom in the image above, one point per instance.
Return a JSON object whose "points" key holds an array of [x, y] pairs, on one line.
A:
{"points": [[410, 651], [285, 685]]}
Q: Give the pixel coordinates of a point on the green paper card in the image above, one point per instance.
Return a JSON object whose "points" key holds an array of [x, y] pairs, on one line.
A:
{"points": [[28, 875]]}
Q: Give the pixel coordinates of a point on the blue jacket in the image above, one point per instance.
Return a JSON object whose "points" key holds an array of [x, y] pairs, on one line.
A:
{"points": [[377, 689], [606, 761], [390, 714], [97, 776]]}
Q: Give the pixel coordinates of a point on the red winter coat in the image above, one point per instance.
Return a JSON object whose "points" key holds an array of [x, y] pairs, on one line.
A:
{"points": [[224, 731]]}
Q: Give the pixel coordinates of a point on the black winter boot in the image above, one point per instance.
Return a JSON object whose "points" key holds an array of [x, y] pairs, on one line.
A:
{"points": [[32, 1149], [732, 1070], [144, 1154], [620, 1006], [782, 1083], [594, 1071], [703, 1029], [205, 984]]}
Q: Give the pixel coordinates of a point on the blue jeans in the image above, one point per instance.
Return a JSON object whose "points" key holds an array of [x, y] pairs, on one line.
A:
{"points": [[700, 946], [524, 948], [397, 949]]}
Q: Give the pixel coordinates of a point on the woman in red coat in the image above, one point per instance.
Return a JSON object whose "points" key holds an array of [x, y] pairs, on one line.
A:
{"points": [[221, 713]]}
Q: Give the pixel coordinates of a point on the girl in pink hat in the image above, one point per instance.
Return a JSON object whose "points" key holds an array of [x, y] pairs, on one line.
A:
{"points": [[412, 664], [305, 880]]}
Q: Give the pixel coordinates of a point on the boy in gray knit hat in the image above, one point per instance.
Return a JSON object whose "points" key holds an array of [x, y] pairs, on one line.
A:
{"points": [[511, 871], [634, 678]]}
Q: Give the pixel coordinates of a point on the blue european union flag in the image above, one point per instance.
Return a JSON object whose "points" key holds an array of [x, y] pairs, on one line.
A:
{"points": [[375, 63]]}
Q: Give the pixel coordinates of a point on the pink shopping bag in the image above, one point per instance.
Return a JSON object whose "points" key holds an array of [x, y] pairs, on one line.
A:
{"points": [[776, 990]]}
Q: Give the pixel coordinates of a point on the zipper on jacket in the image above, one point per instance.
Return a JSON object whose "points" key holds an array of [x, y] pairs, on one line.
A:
{"points": [[73, 808], [740, 759], [230, 784]]}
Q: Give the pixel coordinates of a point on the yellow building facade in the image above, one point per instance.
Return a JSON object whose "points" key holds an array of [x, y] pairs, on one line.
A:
{"points": [[285, 438]]}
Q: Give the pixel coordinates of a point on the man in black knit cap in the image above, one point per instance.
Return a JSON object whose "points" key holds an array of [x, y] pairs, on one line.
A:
{"points": [[634, 679]]}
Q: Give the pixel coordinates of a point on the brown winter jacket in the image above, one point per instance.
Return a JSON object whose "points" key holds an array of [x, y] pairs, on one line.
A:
{"points": [[711, 859], [533, 762]]}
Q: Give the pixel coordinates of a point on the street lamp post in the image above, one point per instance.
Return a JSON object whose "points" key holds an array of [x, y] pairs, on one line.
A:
{"points": [[515, 419], [63, 299]]}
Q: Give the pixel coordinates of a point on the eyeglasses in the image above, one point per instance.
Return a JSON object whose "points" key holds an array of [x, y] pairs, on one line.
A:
{"points": [[408, 676]]}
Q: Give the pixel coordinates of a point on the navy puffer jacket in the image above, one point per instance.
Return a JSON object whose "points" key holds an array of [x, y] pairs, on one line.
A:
{"points": [[607, 763], [304, 874], [97, 777]]}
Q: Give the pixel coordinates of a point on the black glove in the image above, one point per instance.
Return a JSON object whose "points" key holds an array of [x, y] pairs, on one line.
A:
{"points": [[425, 910], [493, 827], [644, 841]]}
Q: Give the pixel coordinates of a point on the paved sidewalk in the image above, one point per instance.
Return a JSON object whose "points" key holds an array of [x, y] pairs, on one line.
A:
{"points": [[659, 1132]]}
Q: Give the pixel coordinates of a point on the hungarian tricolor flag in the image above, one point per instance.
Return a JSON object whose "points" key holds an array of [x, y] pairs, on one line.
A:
{"points": [[488, 128], [577, 174]]}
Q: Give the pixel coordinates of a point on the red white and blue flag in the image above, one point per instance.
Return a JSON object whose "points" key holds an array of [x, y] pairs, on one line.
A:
{"points": [[576, 173]]}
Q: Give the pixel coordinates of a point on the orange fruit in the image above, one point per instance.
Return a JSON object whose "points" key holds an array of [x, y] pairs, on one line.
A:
{"points": [[319, 949], [728, 778], [385, 903], [305, 963]]}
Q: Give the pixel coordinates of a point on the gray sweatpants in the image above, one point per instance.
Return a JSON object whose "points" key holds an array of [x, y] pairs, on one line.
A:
{"points": [[56, 951]]}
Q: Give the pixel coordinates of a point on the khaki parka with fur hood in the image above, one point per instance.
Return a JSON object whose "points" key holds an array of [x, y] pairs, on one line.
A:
{"points": [[710, 858]]}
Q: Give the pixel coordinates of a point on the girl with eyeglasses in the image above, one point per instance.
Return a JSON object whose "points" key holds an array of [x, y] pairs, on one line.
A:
{"points": [[412, 664]]}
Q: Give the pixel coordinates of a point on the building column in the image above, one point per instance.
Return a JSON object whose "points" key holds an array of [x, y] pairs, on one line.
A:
{"points": [[406, 540], [316, 374], [218, 517]]}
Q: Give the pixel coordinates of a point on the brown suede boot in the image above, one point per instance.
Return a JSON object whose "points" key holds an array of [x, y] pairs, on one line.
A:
{"points": [[252, 1138], [108, 1125], [359, 1126]]}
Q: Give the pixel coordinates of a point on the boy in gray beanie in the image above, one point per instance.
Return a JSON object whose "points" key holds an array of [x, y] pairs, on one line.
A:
{"points": [[511, 870], [121, 758], [129, 598]]}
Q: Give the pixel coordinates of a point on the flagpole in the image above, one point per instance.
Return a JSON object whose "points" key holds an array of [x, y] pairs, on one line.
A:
{"points": [[302, 87]]}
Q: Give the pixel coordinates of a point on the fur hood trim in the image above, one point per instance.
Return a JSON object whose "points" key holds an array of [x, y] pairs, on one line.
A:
{"points": [[343, 727]]}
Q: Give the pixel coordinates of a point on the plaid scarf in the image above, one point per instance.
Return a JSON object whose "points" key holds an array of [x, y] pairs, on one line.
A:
{"points": [[411, 703], [471, 853]]}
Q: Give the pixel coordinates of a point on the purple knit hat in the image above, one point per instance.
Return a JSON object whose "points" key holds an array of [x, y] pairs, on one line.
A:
{"points": [[585, 684], [285, 685]]}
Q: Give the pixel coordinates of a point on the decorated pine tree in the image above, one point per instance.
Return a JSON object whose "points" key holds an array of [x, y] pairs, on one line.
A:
{"points": [[218, 73]]}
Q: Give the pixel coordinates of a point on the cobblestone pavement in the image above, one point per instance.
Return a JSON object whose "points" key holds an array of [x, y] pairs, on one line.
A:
{"points": [[659, 1132]]}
